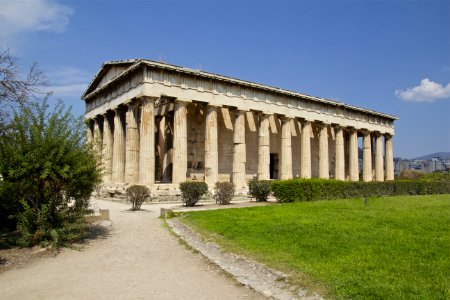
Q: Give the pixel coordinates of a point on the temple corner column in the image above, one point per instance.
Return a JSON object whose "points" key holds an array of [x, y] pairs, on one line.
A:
{"points": [[389, 157], [211, 147], [367, 156], [286, 149], [324, 167], [179, 143], [147, 143], [305, 171]]}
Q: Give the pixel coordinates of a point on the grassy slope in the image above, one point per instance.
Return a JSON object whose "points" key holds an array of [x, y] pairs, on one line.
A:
{"points": [[395, 248]]}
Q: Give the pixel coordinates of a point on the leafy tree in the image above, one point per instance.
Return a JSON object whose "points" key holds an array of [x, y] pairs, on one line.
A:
{"points": [[44, 160]]}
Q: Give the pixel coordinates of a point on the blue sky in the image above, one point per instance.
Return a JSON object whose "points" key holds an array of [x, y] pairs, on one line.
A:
{"points": [[389, 56]]}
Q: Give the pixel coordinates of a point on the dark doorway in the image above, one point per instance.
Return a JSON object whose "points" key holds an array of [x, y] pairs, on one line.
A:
{"points": [[273, 166]]}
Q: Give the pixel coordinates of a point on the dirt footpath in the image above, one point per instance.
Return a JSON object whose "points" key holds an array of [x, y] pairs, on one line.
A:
{"points": [[138, 260]]}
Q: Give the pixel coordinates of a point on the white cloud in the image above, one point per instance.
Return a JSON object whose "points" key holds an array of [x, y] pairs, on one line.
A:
{"points": [[67, 82], [427, 91], [22, 16]]}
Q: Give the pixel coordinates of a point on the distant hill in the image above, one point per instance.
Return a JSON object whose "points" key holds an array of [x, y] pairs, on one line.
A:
{"points": [[442, 155]]}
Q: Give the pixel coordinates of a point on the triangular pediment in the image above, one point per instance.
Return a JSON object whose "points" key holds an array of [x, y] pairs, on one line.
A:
{"points": [[107, 72]]}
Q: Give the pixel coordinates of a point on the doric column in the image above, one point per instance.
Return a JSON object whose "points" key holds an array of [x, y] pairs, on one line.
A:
{"points": [[239, 151], [367, 156], [211, 147], [147, 143], [339, 172], [324, 168], [306, 150], [286, 149], [89, 133], [353, 155], [264, 148], [389, 157], [132, 146], [179, 143], [162, 155], [107, 149], [379, 172], [118, 148], [97, 136]]}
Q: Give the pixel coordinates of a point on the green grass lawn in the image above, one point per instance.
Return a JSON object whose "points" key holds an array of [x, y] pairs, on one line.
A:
{"points": [[395, 248]]}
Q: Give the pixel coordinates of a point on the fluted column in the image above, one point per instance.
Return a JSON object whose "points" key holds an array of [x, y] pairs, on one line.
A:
{"points": [[286, 149], [264, 148], [324, 168], [118, 149], [239, 151], [379, 172], [147, 143], [389, 158], [107, 149], [339, 172], [180, 143], [353, 155], [97, 136], [306, 150], [162, 149], [367, 157], [132, 146], [211, 147], [89, 133]]}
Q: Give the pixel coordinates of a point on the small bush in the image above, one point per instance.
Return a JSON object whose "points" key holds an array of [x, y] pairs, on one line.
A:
{"points": [[411, 174], [137, 194], [224, 193], [260, 189], [192, 191]]}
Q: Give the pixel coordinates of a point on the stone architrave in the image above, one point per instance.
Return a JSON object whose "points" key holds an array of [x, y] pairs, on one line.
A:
{"points": [[107, 149], [132, 146], [239, 151], [379, 171], [180, 143], [264, 148], [286, 149], [339, 172], [367, 156], [353, 155], [305, 171], [147, 143], [118, 148], [211, 147], [389, 157], [324, 167]]}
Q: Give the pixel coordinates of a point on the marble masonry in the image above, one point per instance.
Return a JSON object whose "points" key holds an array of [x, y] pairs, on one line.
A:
{"points": [[158, 125]]}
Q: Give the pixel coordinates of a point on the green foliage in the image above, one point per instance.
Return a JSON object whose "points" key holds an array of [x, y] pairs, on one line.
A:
{"points": [[224, 192], [395, 248], [192, 191], [324, 189], [137, 194], [411, 174], [45, 162], [260, 189]]}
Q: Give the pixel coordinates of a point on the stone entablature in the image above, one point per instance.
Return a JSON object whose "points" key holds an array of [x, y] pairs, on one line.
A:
{"points": [[158, 123]]}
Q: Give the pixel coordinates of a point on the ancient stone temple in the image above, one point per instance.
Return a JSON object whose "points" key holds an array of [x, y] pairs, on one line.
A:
{"points": [[158, 124]]}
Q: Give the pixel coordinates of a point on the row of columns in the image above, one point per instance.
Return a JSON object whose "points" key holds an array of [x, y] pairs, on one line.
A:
{"points": [[132, 159]]}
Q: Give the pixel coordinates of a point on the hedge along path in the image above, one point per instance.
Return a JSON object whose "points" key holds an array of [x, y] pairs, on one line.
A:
{"points": [[139, 260]]}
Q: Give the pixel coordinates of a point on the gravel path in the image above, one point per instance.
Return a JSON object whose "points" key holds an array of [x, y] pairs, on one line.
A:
{"points": [[138, 260]]}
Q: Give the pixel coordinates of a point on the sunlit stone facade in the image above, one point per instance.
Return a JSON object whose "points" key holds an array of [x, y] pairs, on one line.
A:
{"points": [[158, 125]]}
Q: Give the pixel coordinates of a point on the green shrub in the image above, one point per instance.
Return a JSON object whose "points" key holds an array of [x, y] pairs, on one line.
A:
{"points": [[44, 163], [192, 191], [260, 189], [224, 192], [137, 194], [323, 189]]}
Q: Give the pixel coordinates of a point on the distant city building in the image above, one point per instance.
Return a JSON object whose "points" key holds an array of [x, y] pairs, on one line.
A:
{"points": [[435, 164]]}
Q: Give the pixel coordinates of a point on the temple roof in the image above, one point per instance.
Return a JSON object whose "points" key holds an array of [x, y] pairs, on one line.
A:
{"points": [[130, 65]]}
